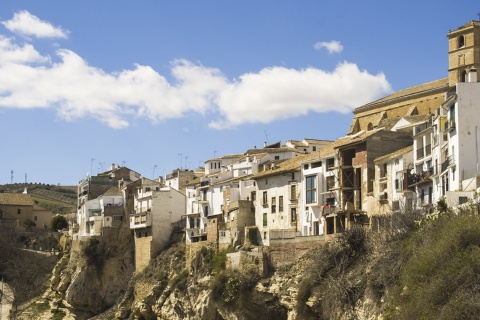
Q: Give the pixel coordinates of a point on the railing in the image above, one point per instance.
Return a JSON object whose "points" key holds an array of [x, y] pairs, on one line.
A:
{"points": [[436, 139], [448, 162], [420, 153], [423, 127], [449, 125]]}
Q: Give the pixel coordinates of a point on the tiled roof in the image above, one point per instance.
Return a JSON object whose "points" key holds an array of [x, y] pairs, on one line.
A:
{"points": [[357, 137], [388, 124], [113, 191], [394, 154], [271, 150], [16, 199], [248, 176], [288, 165], [440, 84]]}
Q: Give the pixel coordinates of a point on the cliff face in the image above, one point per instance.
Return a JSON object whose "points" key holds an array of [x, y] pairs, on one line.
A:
{"points": [[412, 270], [95, 273]]}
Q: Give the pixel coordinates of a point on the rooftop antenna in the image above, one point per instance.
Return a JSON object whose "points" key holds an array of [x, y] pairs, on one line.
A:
{"points": [[214, 153], [154, 167], [478, 14], [181, 157], [186, 165], [100, 166], [123, 163], [11, 177], [266, 136]]}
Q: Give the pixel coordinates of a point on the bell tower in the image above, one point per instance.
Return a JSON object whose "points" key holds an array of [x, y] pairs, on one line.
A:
{"points": [[464, 53]]}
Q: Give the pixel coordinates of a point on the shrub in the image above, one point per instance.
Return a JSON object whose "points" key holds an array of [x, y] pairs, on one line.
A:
{"points": [[94, 251], [58, 222]]}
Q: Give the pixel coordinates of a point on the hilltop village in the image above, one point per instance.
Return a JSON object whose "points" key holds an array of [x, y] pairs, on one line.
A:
{"points": [[404, 152]]}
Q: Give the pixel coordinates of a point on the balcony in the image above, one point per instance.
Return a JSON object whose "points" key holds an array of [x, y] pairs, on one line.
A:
{"points": [[423, 177], [423, 127], [140, 220], [449, 125], [447, 163]]}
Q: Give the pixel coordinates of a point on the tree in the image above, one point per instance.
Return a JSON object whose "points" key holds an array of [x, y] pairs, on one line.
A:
{"points": [[58, 222]]}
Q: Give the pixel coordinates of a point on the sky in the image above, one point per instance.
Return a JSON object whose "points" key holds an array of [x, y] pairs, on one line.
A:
{"points": [[161, 85]]}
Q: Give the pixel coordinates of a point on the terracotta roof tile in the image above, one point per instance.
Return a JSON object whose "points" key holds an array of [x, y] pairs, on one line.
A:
{"points": [[18, 199]]}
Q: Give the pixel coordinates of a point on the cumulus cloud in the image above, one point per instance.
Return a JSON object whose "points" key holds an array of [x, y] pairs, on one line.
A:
{"points": [[280, 93], [332, 46], [78, 90], [26, 24]]}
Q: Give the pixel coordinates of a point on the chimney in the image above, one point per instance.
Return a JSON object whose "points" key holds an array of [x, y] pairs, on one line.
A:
{"points": [[472, 75], [113, 166], [265, 144]]}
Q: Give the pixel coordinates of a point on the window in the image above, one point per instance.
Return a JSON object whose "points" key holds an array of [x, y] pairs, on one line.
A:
{"points": [[280, 204], [35, 218], [311, 189], [462, 200], [317, 164], [461, 41], [274, 205], [293, 192], [265, 219], [330, 182], [19, 211], [314, 148], [330, 163], [277, 157], [293, 175], [223, 234], [117, 218], [265, 197], [293, 214], [253, 195], [305, 166], [330, 201]]}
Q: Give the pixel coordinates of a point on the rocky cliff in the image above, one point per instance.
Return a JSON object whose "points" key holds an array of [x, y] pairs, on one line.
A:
{"points": [[411, 270]]}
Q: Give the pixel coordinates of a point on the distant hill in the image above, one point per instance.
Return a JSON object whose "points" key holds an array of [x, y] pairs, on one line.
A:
{"points": [[59, 199]]}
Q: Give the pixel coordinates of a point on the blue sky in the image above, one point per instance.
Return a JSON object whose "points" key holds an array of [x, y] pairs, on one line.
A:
{"points": [[158, 85]]}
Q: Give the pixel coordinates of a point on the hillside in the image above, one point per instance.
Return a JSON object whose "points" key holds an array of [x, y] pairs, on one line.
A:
{"points": [[414, 269], [59, 199]]}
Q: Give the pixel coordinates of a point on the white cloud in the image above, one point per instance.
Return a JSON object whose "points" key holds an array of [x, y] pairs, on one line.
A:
{"points": [[77, 90], [332, 46], [11, 52], [26, 24], [279, 93]]}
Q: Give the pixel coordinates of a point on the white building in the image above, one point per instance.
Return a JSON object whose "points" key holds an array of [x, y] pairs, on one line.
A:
{"points": [[157, 210]]}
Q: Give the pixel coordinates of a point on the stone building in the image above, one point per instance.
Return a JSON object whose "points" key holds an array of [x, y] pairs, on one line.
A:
{"points": [[463, 56]]}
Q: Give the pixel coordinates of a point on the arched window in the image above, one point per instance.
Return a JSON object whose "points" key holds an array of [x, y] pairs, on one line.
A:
{"points": [[461, 41], [370, 126]]}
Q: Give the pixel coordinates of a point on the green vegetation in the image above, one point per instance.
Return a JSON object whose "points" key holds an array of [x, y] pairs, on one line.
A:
{"points": [[441, 275], [58, 222], [232, 288], [95, 253], [414, 269]]}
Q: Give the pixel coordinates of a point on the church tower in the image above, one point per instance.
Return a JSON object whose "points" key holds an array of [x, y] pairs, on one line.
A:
{"points": [[463, 52]]}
